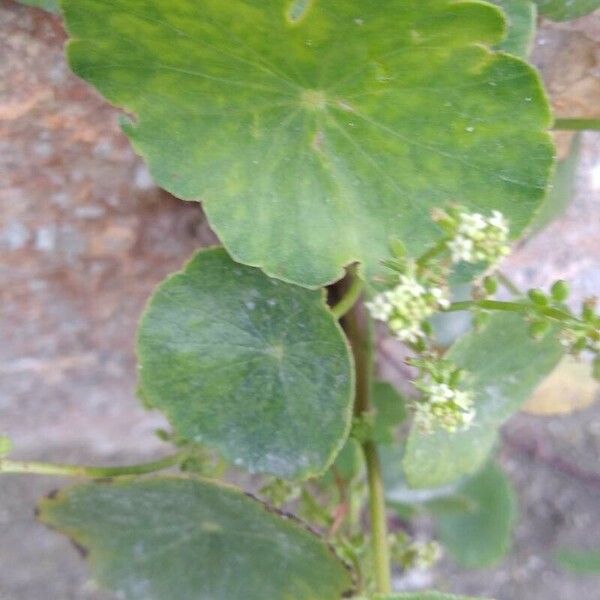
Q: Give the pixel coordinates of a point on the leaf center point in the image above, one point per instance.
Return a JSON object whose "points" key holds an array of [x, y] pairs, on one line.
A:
{"points": [[313, 100]]}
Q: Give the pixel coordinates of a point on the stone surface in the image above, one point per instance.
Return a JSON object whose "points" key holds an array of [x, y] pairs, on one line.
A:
{"points": [[85, 236]]}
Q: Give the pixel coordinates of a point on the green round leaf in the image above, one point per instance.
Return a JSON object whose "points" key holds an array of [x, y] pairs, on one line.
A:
{"points": [[481, 536], [173, 538], [505, 365], [565, 10], [315, 132], [253, 367]]}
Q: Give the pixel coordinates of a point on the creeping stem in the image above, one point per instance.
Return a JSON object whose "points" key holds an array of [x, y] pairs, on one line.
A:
{"points": [[361, 345], [40, 468]]}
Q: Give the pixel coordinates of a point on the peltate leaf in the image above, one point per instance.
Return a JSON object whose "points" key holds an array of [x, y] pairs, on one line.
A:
{"points": [[481, 535], [565, 10], [253, 367], [505, 365], [521, 16], [192, 540], [315, 131]]}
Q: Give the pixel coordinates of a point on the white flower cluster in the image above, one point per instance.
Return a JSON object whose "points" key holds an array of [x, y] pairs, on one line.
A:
{"points": [[479, 239], [424, 555], [414, 554], [406, 306], [444, 405]]}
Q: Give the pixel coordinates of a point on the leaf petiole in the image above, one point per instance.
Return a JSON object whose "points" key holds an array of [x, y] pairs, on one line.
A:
{"points": [[41, 468], [517, 307], [577, 124], [350, 297]]}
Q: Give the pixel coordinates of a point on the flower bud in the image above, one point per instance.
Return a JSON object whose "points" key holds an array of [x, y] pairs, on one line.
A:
{"points": [[560, 290], [5, 445], [538, 297], [490, 285]]}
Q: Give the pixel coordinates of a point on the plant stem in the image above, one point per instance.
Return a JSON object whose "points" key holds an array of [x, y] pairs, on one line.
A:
{"points": [[40, 468], [361, 345], [517, 307], [438, 248], [350, 297], [379, 532], [577, 124]]}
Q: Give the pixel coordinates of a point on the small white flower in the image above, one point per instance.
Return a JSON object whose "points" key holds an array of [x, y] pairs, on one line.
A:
{"points": [[445, 406], [498, 221], [380, 308], [479, 239], [461, 249], [440, 297], [406, 306]]}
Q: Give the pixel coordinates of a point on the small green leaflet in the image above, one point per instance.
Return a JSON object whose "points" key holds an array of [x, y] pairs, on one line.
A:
{"points": [[480, 536], [580, 562], [315, 132], [189, 539], [565, 10], [505, 365], [250, 366]]}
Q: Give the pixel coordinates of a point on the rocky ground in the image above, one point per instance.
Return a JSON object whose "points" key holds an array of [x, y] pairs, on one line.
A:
{"points": [[85, 236]]}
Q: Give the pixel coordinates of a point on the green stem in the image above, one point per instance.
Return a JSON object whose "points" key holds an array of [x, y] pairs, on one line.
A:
{"points": [[434, 251], [40, 468], [350, 297], [379, 533], [361, 345], [517, 307], [577, 124]]}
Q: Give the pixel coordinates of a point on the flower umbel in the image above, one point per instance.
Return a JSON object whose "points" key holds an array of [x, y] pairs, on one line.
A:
{"points": [[414, 554], [475, 237], [406, 306], [442, 403]]}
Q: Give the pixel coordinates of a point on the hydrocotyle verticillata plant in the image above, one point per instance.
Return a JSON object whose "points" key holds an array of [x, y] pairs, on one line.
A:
{"points": [[392, 150]]}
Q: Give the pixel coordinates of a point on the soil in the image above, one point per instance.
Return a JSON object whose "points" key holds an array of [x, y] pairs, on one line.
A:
{"points": [[85, 235]]}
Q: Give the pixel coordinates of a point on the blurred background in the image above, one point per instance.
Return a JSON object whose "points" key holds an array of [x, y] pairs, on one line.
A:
{"points": [[85, 235]]}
